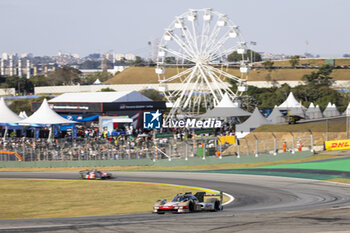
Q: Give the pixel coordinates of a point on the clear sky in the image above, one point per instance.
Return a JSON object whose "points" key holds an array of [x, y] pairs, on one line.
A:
{"points": [[44, 27]]}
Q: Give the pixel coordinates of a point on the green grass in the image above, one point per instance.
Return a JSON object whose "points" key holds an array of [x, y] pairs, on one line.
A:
{"points": [[183, 168], [73, 198], [338, 165]]}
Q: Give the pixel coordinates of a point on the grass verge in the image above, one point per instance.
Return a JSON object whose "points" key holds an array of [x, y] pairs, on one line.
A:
{"points": [[336, 165], [340, 180], [185, 168], [73, 198]]}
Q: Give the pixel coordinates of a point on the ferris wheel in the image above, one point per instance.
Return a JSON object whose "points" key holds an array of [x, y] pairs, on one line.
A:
{"points": [[193, 53]]}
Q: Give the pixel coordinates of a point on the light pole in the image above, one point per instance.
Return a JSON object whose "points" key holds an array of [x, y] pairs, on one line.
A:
{"points": [[251, 51]]}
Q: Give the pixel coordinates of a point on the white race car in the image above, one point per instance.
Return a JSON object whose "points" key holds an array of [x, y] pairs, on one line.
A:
{"points": [[187, 202]]}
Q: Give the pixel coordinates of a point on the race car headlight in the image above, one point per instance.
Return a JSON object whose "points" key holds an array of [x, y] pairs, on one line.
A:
{"points": [[155, 207], [176, 207]]}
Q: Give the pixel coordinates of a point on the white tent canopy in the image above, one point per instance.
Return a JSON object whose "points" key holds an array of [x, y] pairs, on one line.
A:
{"points": [[254, 121], [225, 109], [6, 114], [313, 112], [45, 116], [100, 97], [290, 103], [331, 110], [23, 115], [297, 111], [318, 113], [276, 116], [226, 102], [347, 110], [97, 82]]}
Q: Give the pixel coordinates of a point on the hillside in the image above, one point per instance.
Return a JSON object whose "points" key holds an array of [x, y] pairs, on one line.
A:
{"points": [[147, 75], [315, 62]]}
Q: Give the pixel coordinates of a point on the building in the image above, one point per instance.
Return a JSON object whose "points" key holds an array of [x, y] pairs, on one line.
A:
{"points": [[130, 57], [88, 107], [118, 56]]}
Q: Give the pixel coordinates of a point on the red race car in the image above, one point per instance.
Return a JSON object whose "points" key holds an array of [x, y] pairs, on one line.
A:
{"points": [[95, 175]]}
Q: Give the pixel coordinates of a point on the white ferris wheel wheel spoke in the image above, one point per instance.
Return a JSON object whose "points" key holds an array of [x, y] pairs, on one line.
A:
{"points": [[216, 70], [231, 93], [191, 91], [219, 44], [175, 53], [204, 34], [185, 87], [215, 82], [208, 84], [183, 73], [185, 46], [188, 38], [195, 37], [212, 38], [224, 53]]}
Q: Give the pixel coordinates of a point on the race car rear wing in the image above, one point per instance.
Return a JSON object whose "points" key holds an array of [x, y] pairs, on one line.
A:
{"points": [[200, 196]]}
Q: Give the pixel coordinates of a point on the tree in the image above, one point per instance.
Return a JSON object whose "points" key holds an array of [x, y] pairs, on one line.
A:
{"points": [[346, 55], [64, 76], [294, 61], [268, 64], [122, 60], [138, 60], [170, 60], [107, 89], [20, 105], [320, 77], [89, 64], [22, 85], [93, 56], [152, 94], [102, 76], [39, 80], [318, 94], [252, 55]]}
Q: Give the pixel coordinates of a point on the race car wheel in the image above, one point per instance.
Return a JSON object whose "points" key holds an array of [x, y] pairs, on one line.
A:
{"points": [[191, 206], [217, 206]]}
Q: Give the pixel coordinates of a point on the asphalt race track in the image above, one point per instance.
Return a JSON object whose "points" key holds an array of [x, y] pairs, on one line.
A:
{"points": [[262, 204]]}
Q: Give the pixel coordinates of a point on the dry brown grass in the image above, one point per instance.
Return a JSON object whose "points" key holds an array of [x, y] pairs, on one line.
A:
{"points": [[140, 75], [73, 198], [146, 75], [314, 62], [340, 180]]}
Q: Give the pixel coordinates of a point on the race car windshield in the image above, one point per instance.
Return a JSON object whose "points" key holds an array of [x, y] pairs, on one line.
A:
{"points": [[179, 198]]}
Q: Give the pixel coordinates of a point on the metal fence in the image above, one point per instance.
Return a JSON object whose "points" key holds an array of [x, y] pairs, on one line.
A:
{"points": [[103, 149], [161, 149]]}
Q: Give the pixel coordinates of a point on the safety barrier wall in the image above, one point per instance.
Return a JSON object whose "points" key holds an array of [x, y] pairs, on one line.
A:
{"points": [[7, 91], [163, 163]]}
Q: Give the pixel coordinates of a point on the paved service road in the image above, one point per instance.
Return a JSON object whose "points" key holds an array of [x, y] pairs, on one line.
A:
{"points": [[262, 204]]}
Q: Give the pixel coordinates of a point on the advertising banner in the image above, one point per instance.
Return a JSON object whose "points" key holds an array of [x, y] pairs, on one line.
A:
{"points": [[337, 145], [227, 140]]}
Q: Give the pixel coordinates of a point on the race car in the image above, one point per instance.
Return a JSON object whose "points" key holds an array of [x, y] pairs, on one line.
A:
{"points": [[95, 175], [187, 202]]}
